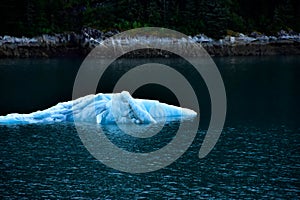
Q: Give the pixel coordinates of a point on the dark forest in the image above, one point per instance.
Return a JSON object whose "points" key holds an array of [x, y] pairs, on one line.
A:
{"points": [[215, 18]]}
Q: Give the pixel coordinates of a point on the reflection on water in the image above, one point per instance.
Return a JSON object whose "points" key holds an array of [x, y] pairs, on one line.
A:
{"points": [[257, 155]]}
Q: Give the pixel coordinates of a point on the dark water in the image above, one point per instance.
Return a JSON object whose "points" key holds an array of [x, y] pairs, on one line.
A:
{"points": [[257, 155]]}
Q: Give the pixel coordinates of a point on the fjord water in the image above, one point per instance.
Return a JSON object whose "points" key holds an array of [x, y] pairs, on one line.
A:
{"points": [[257, 155]]}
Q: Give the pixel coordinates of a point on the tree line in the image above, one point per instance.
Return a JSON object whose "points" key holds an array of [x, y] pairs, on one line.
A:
{"points": [[212, 17]]}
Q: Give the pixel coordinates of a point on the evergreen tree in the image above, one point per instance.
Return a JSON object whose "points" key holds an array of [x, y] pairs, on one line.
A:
{"points": [[216, 16], [283, 16], [213, 17]]}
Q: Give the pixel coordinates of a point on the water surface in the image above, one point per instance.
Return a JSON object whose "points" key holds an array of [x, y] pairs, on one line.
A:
{"points": [[257, 155]]}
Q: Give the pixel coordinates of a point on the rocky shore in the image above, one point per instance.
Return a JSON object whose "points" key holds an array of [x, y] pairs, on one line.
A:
{"points": [[255, 49], [74, 44]]}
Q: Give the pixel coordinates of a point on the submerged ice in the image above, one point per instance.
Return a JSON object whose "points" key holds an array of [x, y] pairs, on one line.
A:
{"points": [[103, 109]]}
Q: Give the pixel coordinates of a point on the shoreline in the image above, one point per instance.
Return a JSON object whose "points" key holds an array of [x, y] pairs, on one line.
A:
{"points": [[57, 51], [79, 45], [255, 49]]}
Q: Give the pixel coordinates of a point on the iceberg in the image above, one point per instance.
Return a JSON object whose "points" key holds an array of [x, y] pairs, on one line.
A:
{"points": [[104, 109]]}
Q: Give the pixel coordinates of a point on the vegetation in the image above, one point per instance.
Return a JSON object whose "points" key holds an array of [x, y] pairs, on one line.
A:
{"points": [[212, 17]]}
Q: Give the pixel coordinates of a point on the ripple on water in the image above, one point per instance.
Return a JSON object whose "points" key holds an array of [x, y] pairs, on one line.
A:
{"points": [[49, 161]]}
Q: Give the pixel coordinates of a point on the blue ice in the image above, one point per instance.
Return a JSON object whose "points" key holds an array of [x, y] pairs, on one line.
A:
{"points": [[103, 109]]}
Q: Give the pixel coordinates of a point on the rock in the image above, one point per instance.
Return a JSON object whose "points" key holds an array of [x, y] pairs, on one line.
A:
{"points": [[201, 38], [263, 38], [108, 34], [272, 38], [282, 33], [255, 34], [232, 39], [245, 38], [33, 40], [66, 44]]}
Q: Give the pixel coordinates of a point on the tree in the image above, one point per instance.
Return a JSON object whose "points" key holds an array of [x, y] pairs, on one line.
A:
{"points": [[283, 16], [216, 15]]}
